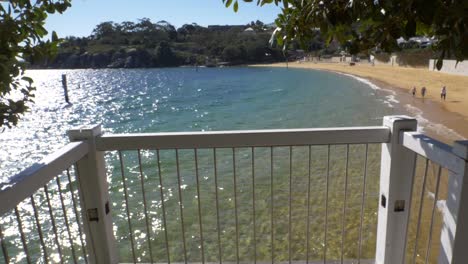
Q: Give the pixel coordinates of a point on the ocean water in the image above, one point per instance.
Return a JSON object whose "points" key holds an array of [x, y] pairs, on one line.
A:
{"points": [[185, 99], [182, 99]]}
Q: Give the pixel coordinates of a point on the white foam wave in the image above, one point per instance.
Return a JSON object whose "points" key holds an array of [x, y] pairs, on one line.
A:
{"points": [[391, 98], [424, 123], [389, 104], [369, 83], [441, 204]]}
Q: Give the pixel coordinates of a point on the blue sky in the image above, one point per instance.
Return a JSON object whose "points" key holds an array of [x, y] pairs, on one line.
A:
{"points": [[80, 19]]}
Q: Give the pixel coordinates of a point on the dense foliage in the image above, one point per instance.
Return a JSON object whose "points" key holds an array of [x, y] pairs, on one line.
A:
{"points": [[362, 25], [21, 38], [147, 44], [358, 26]]}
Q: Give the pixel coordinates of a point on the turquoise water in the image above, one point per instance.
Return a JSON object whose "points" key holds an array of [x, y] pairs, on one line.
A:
{"points": [[182, 99], [152, 100]]}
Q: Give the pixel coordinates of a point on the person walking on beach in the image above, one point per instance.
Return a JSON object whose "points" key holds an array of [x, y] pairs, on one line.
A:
{"points": [[443, 93], [423, 91], [413, 91]]}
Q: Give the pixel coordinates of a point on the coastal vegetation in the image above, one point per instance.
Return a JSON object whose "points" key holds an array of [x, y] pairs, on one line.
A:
{"points": [[367, 24], [357, 26], [22, 35], [145, 44]]}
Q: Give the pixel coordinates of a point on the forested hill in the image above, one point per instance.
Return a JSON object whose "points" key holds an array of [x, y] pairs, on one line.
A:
{"points": [[147, 44]]}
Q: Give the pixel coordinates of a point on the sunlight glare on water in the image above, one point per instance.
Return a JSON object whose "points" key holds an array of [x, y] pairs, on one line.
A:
{"points": [[183, 99], [151, 100]]}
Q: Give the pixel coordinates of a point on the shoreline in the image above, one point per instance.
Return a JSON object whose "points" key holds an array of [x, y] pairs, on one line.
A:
{"points": [[445, 121]]}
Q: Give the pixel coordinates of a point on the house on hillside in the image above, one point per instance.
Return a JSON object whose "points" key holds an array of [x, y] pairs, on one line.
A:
{"points": [[226, 27], [249, 31]]}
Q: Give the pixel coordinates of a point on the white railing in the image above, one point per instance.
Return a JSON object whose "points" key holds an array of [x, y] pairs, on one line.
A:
{"points": [[22, 185], [252, 143], [35, 199], [282, 162], [246, 138], [454, 217]]}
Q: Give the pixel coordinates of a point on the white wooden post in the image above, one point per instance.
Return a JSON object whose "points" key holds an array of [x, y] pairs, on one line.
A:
{"points": [[396, 181], [94, 197], [454, 236]]}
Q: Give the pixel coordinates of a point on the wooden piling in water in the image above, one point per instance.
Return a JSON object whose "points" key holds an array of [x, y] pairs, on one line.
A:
{"points": [[65, 88]]}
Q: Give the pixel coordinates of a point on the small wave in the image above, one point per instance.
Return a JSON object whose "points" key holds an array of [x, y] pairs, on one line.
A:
{"points": [[373, 86], [387, 103], [390, 100], [369, 83], [424, 123], [441, 204], [277, 90]]}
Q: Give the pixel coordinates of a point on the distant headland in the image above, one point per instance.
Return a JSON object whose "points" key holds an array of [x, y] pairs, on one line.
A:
{"points": [[145, 44]]}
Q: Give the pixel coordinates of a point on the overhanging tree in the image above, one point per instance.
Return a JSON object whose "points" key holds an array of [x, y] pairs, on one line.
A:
{"points": [[21, 40], [362, 25]]}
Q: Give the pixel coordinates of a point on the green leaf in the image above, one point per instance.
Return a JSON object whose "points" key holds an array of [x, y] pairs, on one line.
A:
{"points": [[236, 6], [228, 3], [54, 36], [439, 64], [23, 33], [28, 79], [264, 2], [40, 30], [440, 61], [410, 29]]}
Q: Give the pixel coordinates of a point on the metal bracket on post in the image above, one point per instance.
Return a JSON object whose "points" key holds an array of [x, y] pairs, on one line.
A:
{"points": [[94, 197], [454, 233], [396, 182]]}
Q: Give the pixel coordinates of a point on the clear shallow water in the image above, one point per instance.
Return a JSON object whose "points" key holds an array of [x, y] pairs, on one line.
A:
{"points": [[152, 100], [182, 99]]}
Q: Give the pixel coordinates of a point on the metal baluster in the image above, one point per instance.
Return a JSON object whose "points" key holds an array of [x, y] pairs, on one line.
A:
{"points": [[343, 221], [235, 203], [436, 196], [163, 207], [272, 206], [199, 206], [290, 203], [253, 206], [326, 206], [64, 209], [181, 206], [420, 211], [54, 227], [362, 203], [39, 230], [23, 238], [83, 248], [124, 182], [217, 206], [4, 248], [148, 227], [308, 207]]}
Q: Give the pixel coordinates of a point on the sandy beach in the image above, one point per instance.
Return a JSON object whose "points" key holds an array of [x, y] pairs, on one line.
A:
{"points": [[446, 120]]}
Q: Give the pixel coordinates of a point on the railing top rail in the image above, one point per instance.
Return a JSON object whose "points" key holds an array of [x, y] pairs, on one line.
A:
{"points": [[25, 183], [244, 138], [432, 149]]}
